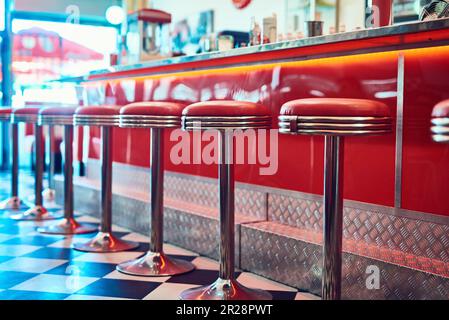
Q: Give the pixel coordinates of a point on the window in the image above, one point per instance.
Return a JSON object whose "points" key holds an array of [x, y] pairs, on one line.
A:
{"points": [[50, 50]]}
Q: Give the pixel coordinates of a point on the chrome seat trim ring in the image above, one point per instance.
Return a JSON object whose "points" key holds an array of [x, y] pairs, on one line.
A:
{"points": [[344, 126], [337, 132], [440, 138], [145, 121], [96, 120], [226, 123], [440, 121], [440, 129], [5, 117], [322, 119], [62, 120], [227, 118], [28, 118]]}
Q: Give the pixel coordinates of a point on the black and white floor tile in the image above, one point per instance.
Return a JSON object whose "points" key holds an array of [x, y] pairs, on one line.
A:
{"points": [[42, 267]]}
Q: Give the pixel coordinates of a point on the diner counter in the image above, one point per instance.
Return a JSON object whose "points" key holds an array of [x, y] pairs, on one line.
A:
{"points": [[403, 66]]}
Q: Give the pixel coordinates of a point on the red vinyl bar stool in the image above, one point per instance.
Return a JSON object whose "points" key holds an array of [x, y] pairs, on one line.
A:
{"points": [[105, 117], [38, 212], [14, 202], [440, 122], [335, 119], [226, 116], [156, 116], [63, 116]]}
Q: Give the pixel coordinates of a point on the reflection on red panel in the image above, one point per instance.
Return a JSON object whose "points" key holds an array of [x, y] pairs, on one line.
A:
{"points": [[370, 161], [426, 163]]}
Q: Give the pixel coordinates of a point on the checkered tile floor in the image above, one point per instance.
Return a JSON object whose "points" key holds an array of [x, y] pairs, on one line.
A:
{"points": [[41, 267]]}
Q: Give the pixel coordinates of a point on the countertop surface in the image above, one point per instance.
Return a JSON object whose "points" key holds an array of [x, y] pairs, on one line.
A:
{"points": [[366, 34]]}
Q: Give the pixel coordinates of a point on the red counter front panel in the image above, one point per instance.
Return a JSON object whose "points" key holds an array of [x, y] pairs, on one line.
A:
{"points": [[426, 163], [370, 161]]}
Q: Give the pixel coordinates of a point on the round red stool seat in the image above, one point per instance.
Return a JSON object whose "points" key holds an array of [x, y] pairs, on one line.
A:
{"points": [[440, 122], [97, 116], [335, 116], [152, 114], [57, 116], [5, 114], [28, 115], [226, 114]]}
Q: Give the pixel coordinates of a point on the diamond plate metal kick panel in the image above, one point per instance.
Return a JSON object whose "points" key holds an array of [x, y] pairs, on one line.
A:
{"points": [[279, 253], [278, 233]]}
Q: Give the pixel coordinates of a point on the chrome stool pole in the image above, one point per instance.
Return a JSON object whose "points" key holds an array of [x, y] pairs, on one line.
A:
{"points": [[333, 217], [68, 226], [154, 263], [157, 190], [106, 180], [15, 166], [227, 214], [49, 192], [226, 287]]}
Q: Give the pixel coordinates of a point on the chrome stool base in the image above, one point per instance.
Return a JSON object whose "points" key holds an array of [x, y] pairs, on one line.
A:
{"points": [[155, 265], [37, 213], [225, 290], [49, 195], [13, 203], [68, 227], [105, 242]]}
